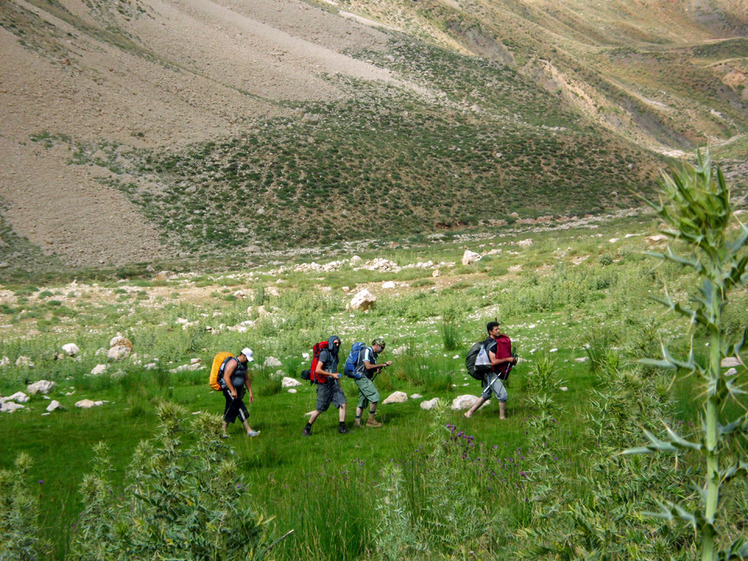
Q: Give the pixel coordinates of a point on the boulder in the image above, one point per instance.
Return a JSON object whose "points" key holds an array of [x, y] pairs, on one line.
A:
{"points": [[730, 362], [356, 260], [120, 341], [525, 243], [363, 300], [397, 397], [87, 404], [272, 362], [463, 402], [98, 369], [388, 285], [10, 407], [657, 239], [470, 257], [430, 404], [71, 349], [18, 397], [292, 390], [24, 361], [54, 405], [119, 352], [42, 386], [289, 382]]}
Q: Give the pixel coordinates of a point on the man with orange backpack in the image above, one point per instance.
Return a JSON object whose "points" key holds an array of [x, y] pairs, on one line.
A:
{"points": [[234, 382], [325, 374]]}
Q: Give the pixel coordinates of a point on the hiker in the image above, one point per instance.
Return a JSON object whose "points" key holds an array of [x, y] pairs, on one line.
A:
{"points": [[367, 392], [499, 347], [329, 390], [234, 384]]}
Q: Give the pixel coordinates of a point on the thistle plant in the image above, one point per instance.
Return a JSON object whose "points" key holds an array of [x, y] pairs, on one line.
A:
{"points": [[697, 211], [19, 508], [178, 502], [395, 538]]}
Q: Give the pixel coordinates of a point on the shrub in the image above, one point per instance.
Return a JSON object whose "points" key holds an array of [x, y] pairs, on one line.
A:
{"points": [[178, 502]]}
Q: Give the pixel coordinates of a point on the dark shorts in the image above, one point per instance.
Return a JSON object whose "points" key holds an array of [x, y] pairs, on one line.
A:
{"points": [[235, 407], [329, 392]]}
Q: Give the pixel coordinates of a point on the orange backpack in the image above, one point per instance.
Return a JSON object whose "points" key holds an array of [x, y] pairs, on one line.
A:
{"points": [[219, 363]]}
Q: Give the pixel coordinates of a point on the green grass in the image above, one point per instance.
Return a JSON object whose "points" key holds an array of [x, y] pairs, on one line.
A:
{"points": [[548, 309]]}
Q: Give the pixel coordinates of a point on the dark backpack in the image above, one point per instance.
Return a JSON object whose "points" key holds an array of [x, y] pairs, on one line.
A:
{"points": [[352, 362], [311, 374], [477, 371]]}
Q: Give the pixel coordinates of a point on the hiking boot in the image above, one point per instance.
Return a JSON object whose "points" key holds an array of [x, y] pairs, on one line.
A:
{"points": [[342, 429], [307, 431], [357, 423], [372, 422], [253, 433]]}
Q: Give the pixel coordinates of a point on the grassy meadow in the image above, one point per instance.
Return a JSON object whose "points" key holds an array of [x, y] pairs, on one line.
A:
{"points": [[548, 482]]}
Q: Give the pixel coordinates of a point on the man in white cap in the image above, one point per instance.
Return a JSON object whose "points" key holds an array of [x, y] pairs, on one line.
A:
{"points": [[234, 382]]}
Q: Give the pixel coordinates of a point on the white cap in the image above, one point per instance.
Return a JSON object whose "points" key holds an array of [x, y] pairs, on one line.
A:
{"points": [[247, 352]]}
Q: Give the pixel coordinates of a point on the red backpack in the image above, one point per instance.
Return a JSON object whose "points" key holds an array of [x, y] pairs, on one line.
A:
{"points": [[311, 374]]}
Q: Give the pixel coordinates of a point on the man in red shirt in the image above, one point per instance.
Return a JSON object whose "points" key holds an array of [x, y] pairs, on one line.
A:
{"points": [[499, 347]]}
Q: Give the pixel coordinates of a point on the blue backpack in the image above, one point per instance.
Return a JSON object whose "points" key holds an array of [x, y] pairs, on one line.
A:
{"points": [[351, 363]]}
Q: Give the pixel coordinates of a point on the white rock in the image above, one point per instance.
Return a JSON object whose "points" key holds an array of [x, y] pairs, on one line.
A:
{"points": [[272, 362], [196, 361], [71, 349], [563, 388], [463, 402], [470, 257], [581, 359], [292, 390], [85, 404], [399, 351], [456, 357], [416, 396], [363, 300], [98, 369], [430, 404], [187, 367], [730, 362], [24, 361], [240, 295], [525, 243], [18, 397], [388, 285], [356, 260], [42, 386], [10, 407], [436, 273], [118, 340], [731, 372], [305, 356], [515, 268], [54, 405], [656, 239], [289, 382], [397, 397], [119, 352]]}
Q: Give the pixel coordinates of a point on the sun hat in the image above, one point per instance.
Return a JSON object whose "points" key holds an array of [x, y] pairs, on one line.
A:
{"points": [[247, 352]]}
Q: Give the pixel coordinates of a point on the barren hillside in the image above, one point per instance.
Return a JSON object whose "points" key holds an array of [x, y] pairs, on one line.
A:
{"points": [[142, 130]]}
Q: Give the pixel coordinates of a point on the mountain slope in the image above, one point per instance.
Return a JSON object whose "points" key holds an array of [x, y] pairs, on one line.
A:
{"points": [[135, 130]]}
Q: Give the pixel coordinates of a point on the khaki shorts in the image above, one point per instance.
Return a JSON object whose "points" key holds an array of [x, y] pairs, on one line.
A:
{"points": [[366, 392]]}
